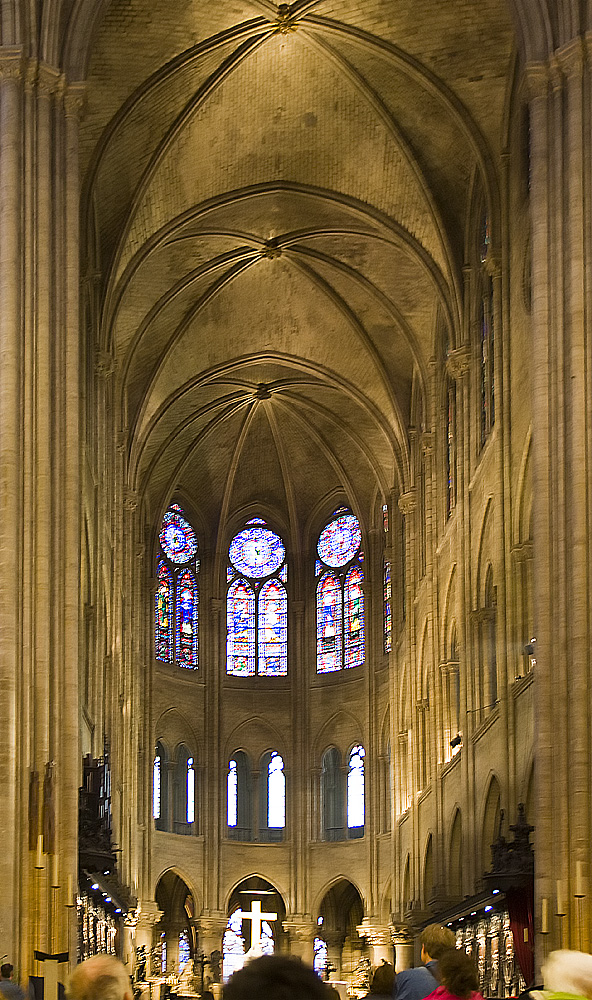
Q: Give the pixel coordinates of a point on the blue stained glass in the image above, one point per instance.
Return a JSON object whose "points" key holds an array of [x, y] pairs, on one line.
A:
{"points": [[163, 617], [184, 950], [339, 541], [273, 629], [240, 620], [233, 946], [257, 552], [321, 957], [187, 603], [156, 787], [283, 573], [329, 624], [177, 537], [318, 567], [387, 598], [229, 574], [354, 618], [256, 520]]}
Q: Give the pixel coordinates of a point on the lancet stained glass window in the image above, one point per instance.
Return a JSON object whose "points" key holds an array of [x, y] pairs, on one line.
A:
{"points": [[355, 792], [387, 606], [177, 596], [340, 594], [257, 603]]}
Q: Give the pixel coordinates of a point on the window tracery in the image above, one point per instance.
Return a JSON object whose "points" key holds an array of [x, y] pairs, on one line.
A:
{"points": [[340, 595], [177, 597], [257, 603]]}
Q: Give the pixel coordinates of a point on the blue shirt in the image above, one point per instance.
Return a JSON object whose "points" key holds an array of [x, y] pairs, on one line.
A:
{"points": [[415, 984]]}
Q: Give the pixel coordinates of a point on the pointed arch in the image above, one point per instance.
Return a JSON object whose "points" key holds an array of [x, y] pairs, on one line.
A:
{"points": [[490, 823], [455, 858]]}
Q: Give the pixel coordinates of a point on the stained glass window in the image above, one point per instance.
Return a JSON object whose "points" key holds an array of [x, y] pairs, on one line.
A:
{"points": [[339, 541], [184, 950], [273, 629], [355, 792], [233, 946], [354, 618], [187, 601], [320, 957], [240, 645], [163, 618], [340, 595], [385, 517], [257, 604], [387, 599], [156, 786], [177, 597], [190, 791], [329, 624], [232, 797], [276, 792], [177, 537], [239, 801]]}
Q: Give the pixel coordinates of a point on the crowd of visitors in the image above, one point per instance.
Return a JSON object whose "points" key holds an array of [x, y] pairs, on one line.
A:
{"points": [[447, 973]]}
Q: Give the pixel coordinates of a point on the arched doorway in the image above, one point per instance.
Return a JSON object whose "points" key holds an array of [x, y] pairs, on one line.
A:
{"points": [[256, 912], [340, 913], [176, 942]]}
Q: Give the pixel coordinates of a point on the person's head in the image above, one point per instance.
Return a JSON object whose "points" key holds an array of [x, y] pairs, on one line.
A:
{"points": [[6, 970], [383, 979], [435, 940], [458, 973], [101, 977], [568, 972], [275, 977]]}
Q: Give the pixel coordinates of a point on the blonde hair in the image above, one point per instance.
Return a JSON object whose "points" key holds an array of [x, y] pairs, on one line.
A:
{"points": [[101, 977], [568, 972]]}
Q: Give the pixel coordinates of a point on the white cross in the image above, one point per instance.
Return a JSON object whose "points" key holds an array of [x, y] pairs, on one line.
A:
{"points": [[255, 916]]}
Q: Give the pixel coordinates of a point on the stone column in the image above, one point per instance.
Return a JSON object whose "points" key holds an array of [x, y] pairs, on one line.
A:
{"points": [[562, 451], [148, 914], [211, 927], [334, 940], [379, 938], [402, 939], [301, 931], [10, 472]]}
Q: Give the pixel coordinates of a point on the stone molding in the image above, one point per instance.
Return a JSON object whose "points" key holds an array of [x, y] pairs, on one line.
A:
{"points": [[148, 913], [407, 502], [300, 928], [458, 362], [130, 500], [375, 934], [401, 933]]}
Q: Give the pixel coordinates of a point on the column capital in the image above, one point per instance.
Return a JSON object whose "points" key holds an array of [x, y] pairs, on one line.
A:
{"points": [[300, 927], [12, 63], [375, 934], [571, 58], [75, 100], [148, 913], [407, 502], [130, 499], [212, 924], [458, 362], [401, 933]]}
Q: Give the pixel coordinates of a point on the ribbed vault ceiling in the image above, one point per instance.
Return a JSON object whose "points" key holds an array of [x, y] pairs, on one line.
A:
{"points": [[279, 198]]}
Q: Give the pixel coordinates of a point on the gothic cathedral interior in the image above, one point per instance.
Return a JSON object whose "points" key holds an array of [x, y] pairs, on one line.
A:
{"points": [[295, 468]]}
